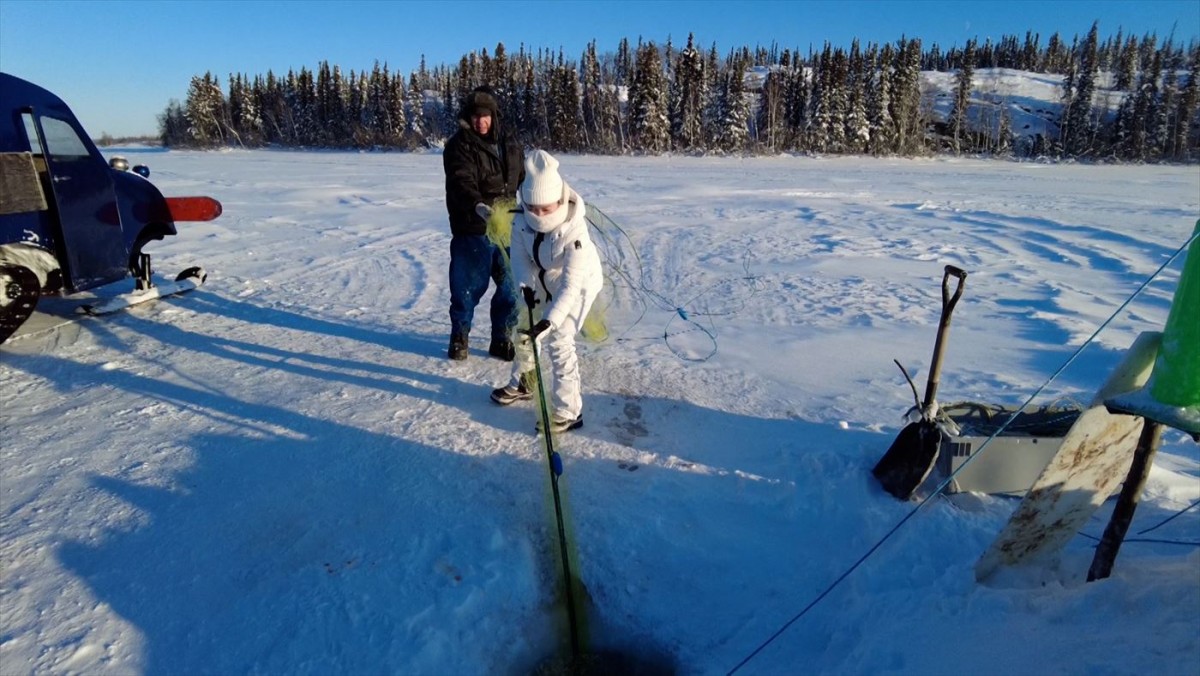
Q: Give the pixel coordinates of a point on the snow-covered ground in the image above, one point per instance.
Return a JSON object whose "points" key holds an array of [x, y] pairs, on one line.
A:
{"points": [[282, 473]]}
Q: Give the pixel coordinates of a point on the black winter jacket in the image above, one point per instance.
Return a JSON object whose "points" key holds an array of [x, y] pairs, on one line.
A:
{"points": [[479, 170]]}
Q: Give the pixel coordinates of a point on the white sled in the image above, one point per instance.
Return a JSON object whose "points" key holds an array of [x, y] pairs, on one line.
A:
{"points": [[1091, 462]]}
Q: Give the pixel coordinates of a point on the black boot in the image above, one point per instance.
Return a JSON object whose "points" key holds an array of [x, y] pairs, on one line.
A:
{"points": [[458, 346], [502, 349]]}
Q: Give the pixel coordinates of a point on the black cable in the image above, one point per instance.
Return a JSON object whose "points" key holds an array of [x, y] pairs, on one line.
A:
{"points": [[1164, 522]]}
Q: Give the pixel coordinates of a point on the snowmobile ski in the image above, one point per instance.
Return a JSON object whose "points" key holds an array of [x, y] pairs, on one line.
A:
{"points": [[187, 280]]}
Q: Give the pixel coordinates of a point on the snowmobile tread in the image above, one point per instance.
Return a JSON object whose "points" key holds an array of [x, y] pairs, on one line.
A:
{"points": [[21, 306]]}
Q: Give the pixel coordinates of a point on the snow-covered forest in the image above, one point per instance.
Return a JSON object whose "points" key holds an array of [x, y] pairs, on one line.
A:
{"points": [[1119, 98]]}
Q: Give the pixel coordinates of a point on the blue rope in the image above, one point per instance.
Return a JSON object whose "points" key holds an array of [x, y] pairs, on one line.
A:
{"points": [[946, 482]]}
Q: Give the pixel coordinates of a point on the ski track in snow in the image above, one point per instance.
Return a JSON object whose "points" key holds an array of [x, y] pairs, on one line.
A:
{"points": [[280, 472]]}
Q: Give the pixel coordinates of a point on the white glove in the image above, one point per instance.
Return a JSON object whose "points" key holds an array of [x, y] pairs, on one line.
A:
{"points": [[484, 211]]}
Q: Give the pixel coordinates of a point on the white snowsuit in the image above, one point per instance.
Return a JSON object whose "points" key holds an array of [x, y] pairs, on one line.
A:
{"points": [[561, 265]]}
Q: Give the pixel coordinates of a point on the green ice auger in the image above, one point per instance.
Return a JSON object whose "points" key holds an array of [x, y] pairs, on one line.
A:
{"points": [[1172, 396], [1176, 380], [555, 466]]}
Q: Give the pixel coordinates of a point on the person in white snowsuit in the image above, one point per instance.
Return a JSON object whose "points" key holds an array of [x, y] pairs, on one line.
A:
{"points": [[553, 255]]}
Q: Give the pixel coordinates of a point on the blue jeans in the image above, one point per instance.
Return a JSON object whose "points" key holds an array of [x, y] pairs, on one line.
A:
{"points": [[474, 259]]}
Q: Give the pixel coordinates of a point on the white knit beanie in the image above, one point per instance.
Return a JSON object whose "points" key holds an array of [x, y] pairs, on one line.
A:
{"points": [[542, 183]]}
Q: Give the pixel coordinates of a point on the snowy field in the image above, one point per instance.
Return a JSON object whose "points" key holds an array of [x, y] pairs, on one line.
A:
{"points": [[281, 473]]}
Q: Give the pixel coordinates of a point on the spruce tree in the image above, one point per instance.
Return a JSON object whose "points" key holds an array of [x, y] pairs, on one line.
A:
{"points": [[1056, 57], [822, 102], [417, 122], [563, 104], [880, 114], [305, 107], [464, 83], [837, 101], [1127, 65], [649, 128], [713, 111], [858, 125], [1030, 53], [771, 111], [1123, 127], [528, 99], [358, 135], [324, 102], [205, 110], [243, 122], [962, 97], [375, 118], [449, 105], [1003, 144], [1147, 107], [392, 108], [289, 132], [510, 106], [173, 126], [906, 99], [687, 99], [590, 98], [1183, 139], [1078, 129], [600, 108], [1136, 121], [1159, 119], [734, 134], [796, 104], [270, 104]]}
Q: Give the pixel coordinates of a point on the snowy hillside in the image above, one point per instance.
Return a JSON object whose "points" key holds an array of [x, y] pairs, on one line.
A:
{"points": [[1031, 102]]}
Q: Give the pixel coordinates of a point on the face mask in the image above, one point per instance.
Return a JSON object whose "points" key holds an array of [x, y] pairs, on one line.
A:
{"points": [[549, 221]]}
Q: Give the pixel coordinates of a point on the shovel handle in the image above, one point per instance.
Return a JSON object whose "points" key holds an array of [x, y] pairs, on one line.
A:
{"points": [[949, 300]]}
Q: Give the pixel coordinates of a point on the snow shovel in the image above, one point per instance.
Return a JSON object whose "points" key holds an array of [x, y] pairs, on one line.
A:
{"points": [[912, 455]]}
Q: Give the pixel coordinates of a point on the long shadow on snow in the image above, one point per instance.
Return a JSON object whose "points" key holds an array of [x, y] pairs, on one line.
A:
{"points": [[200, 301], [323, 368], [300, 545], [307, 363]]}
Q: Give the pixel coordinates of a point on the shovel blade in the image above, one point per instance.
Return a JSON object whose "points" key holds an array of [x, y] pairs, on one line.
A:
{"points": [[909, 459]]}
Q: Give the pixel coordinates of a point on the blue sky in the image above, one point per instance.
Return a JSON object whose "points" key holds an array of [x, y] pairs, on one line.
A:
{"points": [[118, 63]]}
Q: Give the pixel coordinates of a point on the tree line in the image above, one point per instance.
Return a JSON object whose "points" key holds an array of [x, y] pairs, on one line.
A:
{"points": [[649, 99]]}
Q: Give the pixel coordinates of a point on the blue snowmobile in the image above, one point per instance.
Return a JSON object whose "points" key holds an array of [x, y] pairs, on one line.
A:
{"points": [[71, 221]]}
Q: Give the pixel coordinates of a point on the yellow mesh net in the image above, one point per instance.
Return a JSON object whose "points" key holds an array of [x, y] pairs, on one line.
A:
{"points": [[499, 226], [595, 328]]}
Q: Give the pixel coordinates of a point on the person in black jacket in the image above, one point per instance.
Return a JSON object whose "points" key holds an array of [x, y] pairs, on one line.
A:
{"points": [[483, 163]]}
